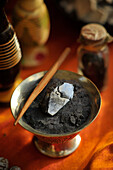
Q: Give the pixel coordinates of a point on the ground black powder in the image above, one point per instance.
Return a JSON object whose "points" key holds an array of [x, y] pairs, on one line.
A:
{"points": [[68, 119]]}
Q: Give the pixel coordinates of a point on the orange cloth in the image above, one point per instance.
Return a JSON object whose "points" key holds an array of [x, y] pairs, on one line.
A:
{"points": [[103, 154], [96, 148]]}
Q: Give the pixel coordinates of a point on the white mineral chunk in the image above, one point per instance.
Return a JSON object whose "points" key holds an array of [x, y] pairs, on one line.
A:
{"points": [[59, 97], [67, 89]]}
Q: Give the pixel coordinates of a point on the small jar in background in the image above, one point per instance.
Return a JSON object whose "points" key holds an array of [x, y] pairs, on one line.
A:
{"points": [[93, 54]]}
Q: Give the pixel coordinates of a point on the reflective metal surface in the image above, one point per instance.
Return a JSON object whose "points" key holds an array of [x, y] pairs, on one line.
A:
{"points": [[22, 92], [57, 150]]}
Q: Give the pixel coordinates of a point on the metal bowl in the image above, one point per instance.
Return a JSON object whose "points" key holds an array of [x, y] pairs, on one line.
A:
{"points": [[55, 145]]}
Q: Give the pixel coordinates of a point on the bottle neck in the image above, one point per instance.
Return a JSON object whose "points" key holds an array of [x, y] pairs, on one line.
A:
{"points": [[94, 48], [3, 21]]}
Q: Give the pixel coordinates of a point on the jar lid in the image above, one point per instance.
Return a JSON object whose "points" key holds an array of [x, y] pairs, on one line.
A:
{"points": [[93, 32]]}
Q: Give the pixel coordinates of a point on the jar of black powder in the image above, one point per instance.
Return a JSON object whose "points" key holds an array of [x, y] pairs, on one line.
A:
{"points": [[93, 54]]}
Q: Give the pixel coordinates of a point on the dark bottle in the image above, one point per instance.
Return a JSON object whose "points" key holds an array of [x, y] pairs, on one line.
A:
{"points": [[10, 56], [93, 54]]}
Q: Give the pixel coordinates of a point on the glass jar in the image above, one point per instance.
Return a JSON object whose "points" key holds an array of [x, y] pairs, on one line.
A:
{"points": [[93, 54]]}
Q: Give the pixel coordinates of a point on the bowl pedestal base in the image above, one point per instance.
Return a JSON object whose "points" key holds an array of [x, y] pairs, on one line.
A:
{"points": [[57, 150]]}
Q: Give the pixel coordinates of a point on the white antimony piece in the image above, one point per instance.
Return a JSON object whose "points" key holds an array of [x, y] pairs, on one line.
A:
{"points": [[59, 97]]}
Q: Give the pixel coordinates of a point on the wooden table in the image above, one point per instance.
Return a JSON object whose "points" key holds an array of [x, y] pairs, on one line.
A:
{"points": [[96, 147]]}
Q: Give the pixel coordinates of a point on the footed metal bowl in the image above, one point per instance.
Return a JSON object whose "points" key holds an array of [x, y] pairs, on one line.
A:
{"points": [[55, 145]]}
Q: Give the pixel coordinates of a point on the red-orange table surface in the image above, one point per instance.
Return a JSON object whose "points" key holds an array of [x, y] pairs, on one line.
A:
{"points": [[96, 148]]}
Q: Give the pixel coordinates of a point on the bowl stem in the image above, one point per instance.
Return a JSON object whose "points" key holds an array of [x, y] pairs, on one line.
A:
{"points": [[57, 150]]}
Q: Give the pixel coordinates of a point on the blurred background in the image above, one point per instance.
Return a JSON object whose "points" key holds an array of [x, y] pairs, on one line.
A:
{"points": [[78, 12]]}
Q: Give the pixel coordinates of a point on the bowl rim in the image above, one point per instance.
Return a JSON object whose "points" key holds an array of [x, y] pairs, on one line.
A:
{"points": [[42, 134]]}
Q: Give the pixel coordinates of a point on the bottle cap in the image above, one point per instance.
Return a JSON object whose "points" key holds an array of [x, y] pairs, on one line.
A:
{"points": [[3, 17], [94, 33]]}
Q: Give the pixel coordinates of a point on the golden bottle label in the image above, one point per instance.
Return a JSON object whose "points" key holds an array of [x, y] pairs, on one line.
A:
{"points": [[10, 54]]}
